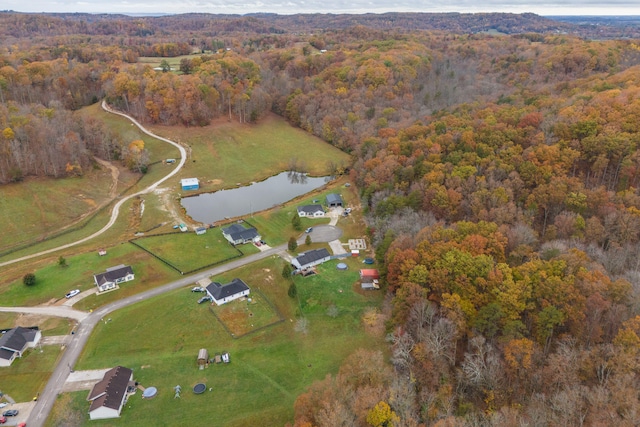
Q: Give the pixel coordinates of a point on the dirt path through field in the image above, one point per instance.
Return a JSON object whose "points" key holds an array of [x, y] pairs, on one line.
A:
{"points": [[116, 209], [115, 174]]}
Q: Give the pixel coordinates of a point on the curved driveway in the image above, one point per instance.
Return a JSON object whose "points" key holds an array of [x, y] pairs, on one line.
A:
{"points": [[116, 208]]}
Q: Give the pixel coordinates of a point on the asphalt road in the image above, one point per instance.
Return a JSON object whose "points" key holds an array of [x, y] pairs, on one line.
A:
{"points": [[70, 356]]}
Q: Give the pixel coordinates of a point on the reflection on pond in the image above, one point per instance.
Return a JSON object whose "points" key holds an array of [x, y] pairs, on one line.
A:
{"points": [[212, 207]]}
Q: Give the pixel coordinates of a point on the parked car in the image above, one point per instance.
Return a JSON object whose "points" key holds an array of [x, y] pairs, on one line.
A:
{"points": [[3, 420], [3, 404], [204, 299], [10, 413], [308, 230], [22, 424], [198, 289], [72, 293]]}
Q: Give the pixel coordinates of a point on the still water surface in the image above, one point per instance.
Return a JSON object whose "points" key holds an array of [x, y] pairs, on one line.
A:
{"points": [[211, 207]]}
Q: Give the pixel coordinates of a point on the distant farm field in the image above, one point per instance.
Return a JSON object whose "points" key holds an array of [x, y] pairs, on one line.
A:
{"points": [[159, 339]]}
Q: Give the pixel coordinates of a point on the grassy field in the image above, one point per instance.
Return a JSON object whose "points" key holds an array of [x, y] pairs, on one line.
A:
{"points": [[246, 316], [188, 251], [268, 369], [37, 207], [54, 281], [29, 374], [225, 154]]}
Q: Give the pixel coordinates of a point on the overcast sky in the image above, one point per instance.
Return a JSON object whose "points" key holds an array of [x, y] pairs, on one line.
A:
{"points": [[545, 7]]}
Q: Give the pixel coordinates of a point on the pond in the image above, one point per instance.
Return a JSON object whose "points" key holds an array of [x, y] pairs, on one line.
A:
{"points": [[211, 207]]}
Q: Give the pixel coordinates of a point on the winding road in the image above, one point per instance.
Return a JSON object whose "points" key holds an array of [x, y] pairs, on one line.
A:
{"points": [[88, 320], [116, 209]]}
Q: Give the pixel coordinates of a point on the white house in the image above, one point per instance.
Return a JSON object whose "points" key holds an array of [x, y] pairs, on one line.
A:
{"points": [[110, 394], [236, 234], [311, 259], [311, 211], [14, 342], [222, 294], [113, 276]]}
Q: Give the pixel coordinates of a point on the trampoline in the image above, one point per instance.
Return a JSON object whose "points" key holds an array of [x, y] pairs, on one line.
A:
{"points": [[341, 266], [199, 388], [149, 392], [368, 261]]}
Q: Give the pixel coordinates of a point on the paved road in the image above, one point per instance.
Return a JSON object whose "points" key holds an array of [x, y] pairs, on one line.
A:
{"points": [[116, 208], [70, 356]]}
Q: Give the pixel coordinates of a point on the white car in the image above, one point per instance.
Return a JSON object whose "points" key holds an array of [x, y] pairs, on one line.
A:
{"points": [[73, 293], [3, 404]]}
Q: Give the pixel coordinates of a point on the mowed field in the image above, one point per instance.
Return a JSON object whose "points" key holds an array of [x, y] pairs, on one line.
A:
{"points": [[226, 153], [160, 338]]}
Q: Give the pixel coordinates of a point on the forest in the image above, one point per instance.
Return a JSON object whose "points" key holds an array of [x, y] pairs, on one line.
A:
{"points": [[498, 173]]}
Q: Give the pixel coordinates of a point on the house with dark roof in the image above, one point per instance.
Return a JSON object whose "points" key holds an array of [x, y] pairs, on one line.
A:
{"points": [[110, 394], [333, 200], [311, 211], [237, 234], [222, 294], [113, 276], [14, 342], [311, 259]]}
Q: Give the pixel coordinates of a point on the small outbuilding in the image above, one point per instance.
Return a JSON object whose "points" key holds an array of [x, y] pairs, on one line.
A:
{"points": [[190, 184], [201, 230], [333, 200], [203, 358]]}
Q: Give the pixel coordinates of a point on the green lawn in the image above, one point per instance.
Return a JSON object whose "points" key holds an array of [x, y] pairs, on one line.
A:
{"points": [[188, 251], [29, 374], [54, 281], [160, 338]]}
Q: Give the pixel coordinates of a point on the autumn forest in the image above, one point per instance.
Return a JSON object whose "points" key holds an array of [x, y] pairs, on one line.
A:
{"points": [[499, 175]]}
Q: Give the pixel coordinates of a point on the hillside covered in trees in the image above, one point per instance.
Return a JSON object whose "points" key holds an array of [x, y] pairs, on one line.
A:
{"points": [[499, 176]]}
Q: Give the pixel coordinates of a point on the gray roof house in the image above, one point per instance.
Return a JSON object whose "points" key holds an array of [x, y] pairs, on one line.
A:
{"points": [[333, 200], [236, 234], [311, 258], [15, 341], [311, 211], [222, 294], [110, 394], [113, 276]]}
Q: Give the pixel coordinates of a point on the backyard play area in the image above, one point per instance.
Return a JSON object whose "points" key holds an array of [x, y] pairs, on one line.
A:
{"points": [[269, 367]]}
